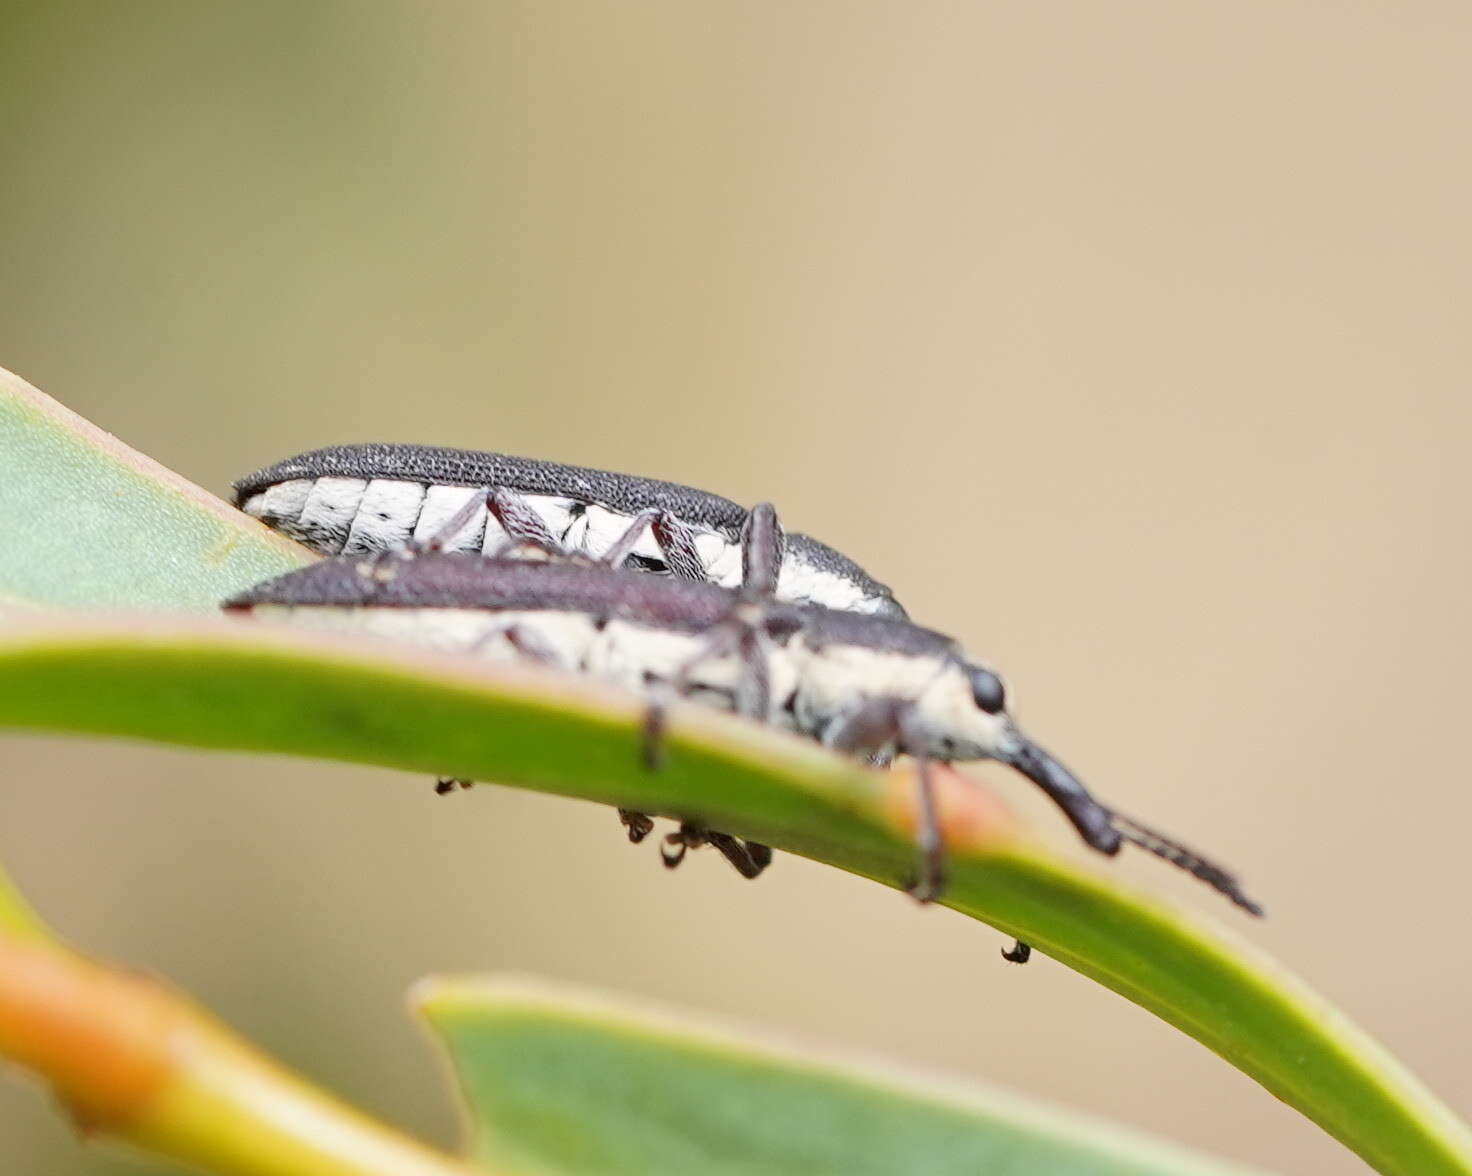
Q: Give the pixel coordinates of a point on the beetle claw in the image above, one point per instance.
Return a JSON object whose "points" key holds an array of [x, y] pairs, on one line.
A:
{"points": [[1018, 953], [638, 825]]}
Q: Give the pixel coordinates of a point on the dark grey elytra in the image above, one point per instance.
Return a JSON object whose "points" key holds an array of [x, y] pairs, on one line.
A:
{"points": [[812, 572], [437, 465]]}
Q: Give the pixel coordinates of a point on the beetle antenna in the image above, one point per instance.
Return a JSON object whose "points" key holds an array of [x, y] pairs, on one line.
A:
{"points": [[1187, 859]]}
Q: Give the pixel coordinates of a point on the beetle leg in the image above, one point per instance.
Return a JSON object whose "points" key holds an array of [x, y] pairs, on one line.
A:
{"points": [[447, 784], [871, 728], [638, 825], [719, 641], [651, 734], [745, 630], [689, 836], [624, 545], [443, 535], [927, 833], [875, 725], [520, 521], [677, 541], [749, 857], [753, 698], [754, 693], [761, 552], [1018, 953], [529, 645], [522, 639], [523, 526], [927, 836]]}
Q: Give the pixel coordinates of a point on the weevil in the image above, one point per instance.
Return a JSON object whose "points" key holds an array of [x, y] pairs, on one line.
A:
{"points": [[408, 498], [857, 683], [351, 499], [382, 497]]}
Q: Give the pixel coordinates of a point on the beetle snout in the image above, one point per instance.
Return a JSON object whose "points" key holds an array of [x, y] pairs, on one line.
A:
{"points": [[1092, 820]]}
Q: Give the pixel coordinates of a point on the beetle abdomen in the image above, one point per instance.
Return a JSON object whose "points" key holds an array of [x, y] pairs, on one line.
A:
{"points": [[354, 516], [355, 499]]}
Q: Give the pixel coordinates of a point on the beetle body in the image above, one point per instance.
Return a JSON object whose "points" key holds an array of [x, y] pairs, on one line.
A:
{"points": [[637, 631], [857, 683], [355, 499]]}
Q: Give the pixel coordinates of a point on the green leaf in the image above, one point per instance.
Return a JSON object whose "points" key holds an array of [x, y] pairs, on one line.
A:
{"points": [[224, 685], [229, 685], [564, 1085], [89, 523]]}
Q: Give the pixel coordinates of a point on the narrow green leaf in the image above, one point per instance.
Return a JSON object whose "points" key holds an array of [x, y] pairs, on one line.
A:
{"points": [[564, 1085], [223, 685], [89, 523]]}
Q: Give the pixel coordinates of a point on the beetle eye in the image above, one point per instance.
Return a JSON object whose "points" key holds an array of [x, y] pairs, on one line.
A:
{"points": [[987, 690]]}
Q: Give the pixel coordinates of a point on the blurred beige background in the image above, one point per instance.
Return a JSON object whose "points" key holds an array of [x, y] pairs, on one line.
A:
{"points": [[1128, 341]]}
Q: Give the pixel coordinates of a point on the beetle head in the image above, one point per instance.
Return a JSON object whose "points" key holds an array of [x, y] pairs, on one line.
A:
{"points": [[963, 716]]}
